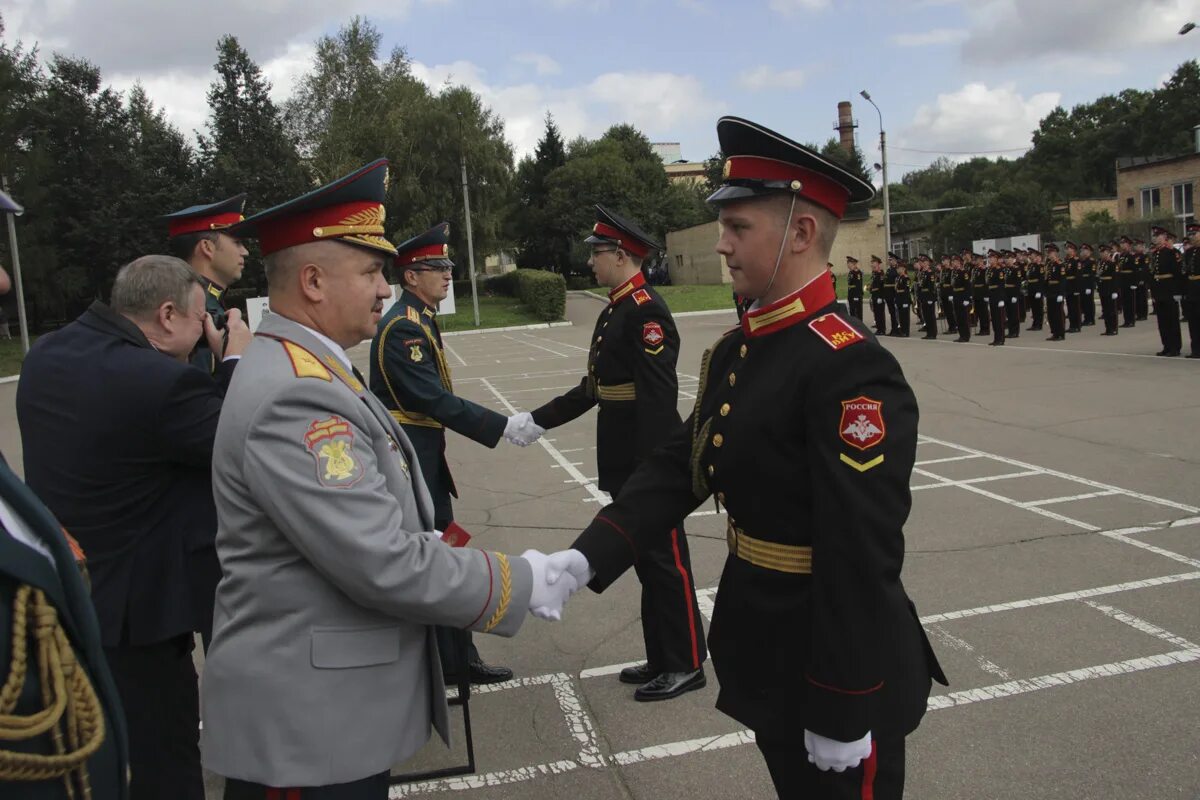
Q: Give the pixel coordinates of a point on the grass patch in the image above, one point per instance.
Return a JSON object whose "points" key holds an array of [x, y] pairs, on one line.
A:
{"points": [[705, 297], [494, 312], [11, 355]]}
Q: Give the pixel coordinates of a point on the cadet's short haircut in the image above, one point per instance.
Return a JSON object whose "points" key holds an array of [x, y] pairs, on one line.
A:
{"points": [[146, 283], [827, 223], [184, 246]]}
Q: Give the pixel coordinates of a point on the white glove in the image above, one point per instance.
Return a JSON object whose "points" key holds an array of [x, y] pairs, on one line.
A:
{"points": [[547, 599], [1087, 291], [966, 303], [1178, 298], [1000, 304], [571, 562], [830, 754], [1058, 299], [1037, 295], [1114, 297], [521, 430]]}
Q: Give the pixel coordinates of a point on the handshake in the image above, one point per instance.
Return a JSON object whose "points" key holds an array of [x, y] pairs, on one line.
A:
{"points": [[521, 430], [555, 578]]}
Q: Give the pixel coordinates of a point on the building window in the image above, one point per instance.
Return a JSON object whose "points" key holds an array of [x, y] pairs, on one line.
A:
{"points": [[1151, 202], [1181, 195]]}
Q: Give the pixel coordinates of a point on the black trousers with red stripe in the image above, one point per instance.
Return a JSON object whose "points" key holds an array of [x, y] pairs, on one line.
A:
{"points": [[881, 777], [372, 788], [671, 622]]}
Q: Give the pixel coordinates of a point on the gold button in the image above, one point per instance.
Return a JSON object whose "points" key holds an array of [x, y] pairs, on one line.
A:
{"points": [[725, 410], [711, 470], [599, 339], [605, 325], [718, 440], [744, 350], [732, 379]]}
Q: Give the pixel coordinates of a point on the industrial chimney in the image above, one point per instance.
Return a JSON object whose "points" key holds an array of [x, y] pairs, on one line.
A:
{"points": [[846, 125]]}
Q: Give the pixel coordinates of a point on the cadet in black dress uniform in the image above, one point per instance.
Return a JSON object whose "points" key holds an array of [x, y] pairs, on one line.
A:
{"points": [[631, 375], [805, 429], [854, 287], [878, 304], [1167, 288]]}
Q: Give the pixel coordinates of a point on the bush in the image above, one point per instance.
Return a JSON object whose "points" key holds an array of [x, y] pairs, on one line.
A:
{"points": [[580, 282], [543, 293], [504, 284]]}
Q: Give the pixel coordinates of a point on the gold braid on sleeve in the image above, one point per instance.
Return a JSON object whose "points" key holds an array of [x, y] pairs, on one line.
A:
{"points": [[505, 592]]}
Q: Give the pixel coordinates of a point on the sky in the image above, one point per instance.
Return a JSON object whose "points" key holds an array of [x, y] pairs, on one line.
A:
{"points": [[951, 77]]}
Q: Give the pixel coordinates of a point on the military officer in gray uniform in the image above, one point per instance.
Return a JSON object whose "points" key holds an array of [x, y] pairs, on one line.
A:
{"points": [[323, 672]]}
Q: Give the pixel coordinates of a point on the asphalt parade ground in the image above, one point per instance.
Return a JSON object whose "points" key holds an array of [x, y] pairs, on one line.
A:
{"points": [[1053, 554]]}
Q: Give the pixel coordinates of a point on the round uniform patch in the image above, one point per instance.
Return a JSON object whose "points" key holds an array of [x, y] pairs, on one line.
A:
{"points": [[862, 425], [652, 334], [331, 442]]}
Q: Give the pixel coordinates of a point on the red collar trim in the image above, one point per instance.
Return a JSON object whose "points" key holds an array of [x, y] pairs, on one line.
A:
{"points": [[788, 311], [625, 289]]}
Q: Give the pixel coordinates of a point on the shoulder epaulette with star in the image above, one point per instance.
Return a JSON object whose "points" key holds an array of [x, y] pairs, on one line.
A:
{"points": [[835, 331]]}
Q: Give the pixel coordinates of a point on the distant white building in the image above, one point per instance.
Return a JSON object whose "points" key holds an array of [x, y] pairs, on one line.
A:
{"points": [[678, 169]]}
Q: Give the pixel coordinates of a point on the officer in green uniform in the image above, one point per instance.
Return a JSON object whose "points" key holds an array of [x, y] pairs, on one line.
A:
{"points": [[198, 235], [805, 429], [410, 376]]}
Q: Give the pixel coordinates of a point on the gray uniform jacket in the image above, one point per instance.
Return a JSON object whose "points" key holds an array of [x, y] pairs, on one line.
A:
{"points": [[323, 667]]}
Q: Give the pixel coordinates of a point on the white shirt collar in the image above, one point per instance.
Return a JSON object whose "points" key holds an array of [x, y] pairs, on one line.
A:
{"points": [[333, 346]]}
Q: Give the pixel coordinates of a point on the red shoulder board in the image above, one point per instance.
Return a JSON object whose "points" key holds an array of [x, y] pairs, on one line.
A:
{"points": [[835, 331], [641, 296]]}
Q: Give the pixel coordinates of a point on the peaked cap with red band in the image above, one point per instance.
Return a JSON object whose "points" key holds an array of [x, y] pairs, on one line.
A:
{"points": [[759, 162], [431, 247], [348, 210], [205, 218], [612, 228]]}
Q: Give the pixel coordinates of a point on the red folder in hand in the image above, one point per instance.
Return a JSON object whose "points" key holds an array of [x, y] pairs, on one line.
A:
{"points": [[455, 535]]}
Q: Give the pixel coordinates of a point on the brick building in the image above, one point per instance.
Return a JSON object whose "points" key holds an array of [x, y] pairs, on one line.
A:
{"points": [[1154, 187]]}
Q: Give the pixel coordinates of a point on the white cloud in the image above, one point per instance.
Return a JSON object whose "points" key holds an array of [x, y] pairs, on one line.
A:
{"points": [[655, 102], [976, 119], [937, 36], [789, 7], [1007, 29], [764, 77], [148, 36], [542, 64]]}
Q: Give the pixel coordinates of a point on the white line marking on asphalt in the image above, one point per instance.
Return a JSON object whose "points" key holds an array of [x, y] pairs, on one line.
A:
{"points": [[1142, 625], [1069, 499], [1064, 597], [1026, 685], [556, 341], [525, 341], [705, 744], [957, 643], [461, 361], [969, 481], [944, 460], [611, 669], [587, 483]]}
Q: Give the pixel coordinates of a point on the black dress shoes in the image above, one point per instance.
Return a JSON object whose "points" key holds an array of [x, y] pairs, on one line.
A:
{"points": [[669, 685], [642, 673], [481, 673]]}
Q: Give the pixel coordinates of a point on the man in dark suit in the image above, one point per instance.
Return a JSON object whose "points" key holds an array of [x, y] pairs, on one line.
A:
{"points": [[125, 466], [41, 575]]}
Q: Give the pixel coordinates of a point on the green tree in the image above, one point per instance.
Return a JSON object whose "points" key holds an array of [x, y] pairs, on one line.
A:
{"points": [[529, 220]]}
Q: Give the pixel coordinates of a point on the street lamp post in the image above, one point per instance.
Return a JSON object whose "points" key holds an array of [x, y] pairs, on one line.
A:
{"points": [[1187, 28], [887, 208]]}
